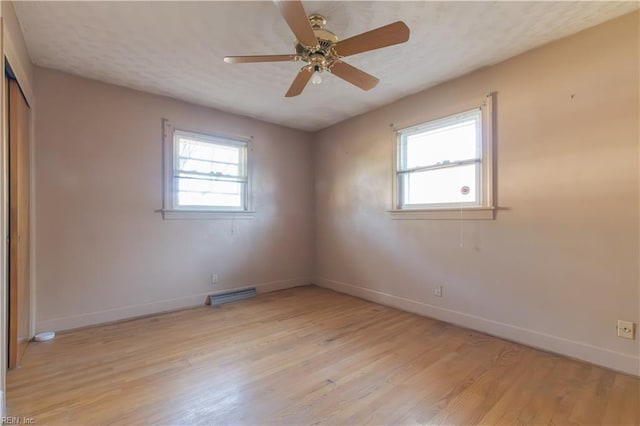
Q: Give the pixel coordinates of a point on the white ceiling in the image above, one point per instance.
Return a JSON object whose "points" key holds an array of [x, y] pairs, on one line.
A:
{"points": [[176, 48]]}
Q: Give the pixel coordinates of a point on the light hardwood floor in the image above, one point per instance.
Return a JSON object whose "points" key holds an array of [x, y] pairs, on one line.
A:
{"points": [[302, 356]]}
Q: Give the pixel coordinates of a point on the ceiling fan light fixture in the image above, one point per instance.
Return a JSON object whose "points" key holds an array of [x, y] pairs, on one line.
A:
{"points": [[316, 79]]}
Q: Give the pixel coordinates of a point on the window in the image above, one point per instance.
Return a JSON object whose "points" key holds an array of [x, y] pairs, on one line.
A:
{"points": [[205, 175], [445, 164]]}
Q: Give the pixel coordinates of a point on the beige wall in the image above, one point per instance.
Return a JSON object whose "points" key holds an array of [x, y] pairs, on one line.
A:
{"points": [[559, 265], [103, 252]]}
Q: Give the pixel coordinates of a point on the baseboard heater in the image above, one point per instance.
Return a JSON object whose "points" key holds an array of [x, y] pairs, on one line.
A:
{"points": [[232, 296]]}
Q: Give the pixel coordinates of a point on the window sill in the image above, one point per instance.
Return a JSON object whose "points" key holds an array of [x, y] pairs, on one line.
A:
{"points": [[207, 214], [467, 213]]}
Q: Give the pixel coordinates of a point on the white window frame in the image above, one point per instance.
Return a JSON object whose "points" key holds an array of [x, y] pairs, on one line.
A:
{"points": [[484, 207], [171, 209]]}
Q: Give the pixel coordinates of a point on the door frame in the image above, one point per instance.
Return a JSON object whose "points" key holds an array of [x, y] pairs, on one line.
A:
{"points": [[11, 53]]}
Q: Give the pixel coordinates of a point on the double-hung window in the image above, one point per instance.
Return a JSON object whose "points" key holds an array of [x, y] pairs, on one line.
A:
{"points": [[445, 164], [206, 174]]}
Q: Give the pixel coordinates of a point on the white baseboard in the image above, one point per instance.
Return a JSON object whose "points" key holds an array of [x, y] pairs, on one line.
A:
{"points": [[132, 311], [601, 356]]}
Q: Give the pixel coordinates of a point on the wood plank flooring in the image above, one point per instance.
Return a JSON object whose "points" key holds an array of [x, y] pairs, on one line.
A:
{"points": [[307, 356]]}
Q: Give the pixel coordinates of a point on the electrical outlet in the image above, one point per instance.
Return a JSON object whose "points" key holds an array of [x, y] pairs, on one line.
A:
{"points": [[626, 329], [438, 291], [214, 279]]}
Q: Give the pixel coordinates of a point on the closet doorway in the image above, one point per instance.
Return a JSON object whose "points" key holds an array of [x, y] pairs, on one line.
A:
{"points": [[18, 120]]}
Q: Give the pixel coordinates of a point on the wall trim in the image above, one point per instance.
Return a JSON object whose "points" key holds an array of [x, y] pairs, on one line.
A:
{"points": [[13, 49], [4, 220], [618, 361], [167, 305]]}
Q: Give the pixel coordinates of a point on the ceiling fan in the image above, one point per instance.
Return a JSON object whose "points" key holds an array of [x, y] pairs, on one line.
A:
{"points": [[323, 51]]}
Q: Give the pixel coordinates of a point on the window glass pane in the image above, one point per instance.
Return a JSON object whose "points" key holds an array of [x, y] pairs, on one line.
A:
{"points": [[207, 199], [207, 157], [203, 192], [209, 167], [228, 154], [194, 149], [440, 186], [451, 143], [205, 185]]}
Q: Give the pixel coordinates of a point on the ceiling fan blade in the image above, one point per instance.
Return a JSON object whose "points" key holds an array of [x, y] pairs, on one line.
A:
{"points": [[391, 34], [300, 82], [354, 76], [265, 58], [293, 12]]}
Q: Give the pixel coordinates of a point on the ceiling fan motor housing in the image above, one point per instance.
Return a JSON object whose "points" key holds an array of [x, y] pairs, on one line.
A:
{"points": [[320, 57]]}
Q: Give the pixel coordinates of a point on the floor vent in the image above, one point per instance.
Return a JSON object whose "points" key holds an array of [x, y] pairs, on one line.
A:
{"points": [[232, 296]]}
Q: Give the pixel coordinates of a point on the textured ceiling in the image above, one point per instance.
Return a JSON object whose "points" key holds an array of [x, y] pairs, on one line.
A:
{"points": [[176, 48]]}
